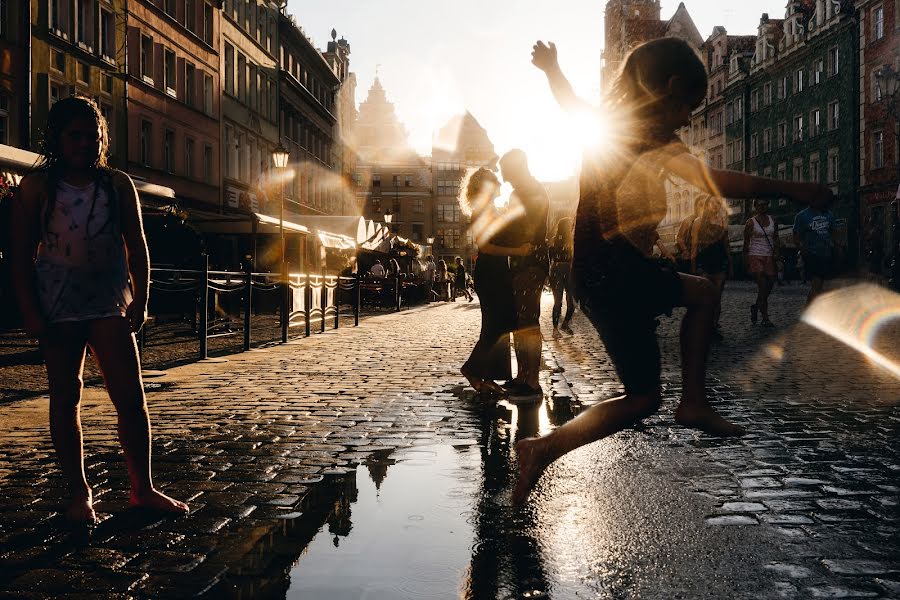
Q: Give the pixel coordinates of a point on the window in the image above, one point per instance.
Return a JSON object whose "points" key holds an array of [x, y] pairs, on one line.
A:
{"points": [[738, 150], [229, 151], [55, 93], [754, 145], [797, 173], [107, 34], [418, 231], [170, 8], [146, 142], [814, 174], [189, 158], [407, 181], [729, 153], [147, 59], [169, 150], [877, 149], [782, 134], [798, 80], [798, 128], [877, 92], [833, 114], [754, 101], [396, 181], [190, 15], [767, 172], [767, 94], [376, 180], [58, 61], [767, 140], [242, 77], [83, 22], [207, 93], [190, 84], [783, 87], [396, 207], [252, 98], [833, 166], [169, 75], [207, 23], [207, 163], [419, 205], [107, 83], [781, 173], [376, 205], [818, 70], [729, 113], [84, 72], [877, 23], [448, 213], [229, 69], [815, 122], [834, 63]]}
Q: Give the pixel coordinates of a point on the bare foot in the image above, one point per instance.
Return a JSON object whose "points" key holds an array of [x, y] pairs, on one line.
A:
{"points": [[532, 459], [81, 510], [704, 418], [491, 387], [476, 382], [155, 500]]}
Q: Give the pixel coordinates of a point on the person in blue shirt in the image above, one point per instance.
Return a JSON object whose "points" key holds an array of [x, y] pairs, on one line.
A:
{"points": [[814, 229]]}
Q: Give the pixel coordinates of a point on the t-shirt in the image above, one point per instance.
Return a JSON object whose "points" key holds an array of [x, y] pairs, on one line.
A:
{"points": [[814, 228], [377, 270]]}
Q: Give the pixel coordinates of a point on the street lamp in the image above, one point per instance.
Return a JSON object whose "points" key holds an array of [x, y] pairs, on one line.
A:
{"points": [[388, 217], [430, 240], [280, 157]]}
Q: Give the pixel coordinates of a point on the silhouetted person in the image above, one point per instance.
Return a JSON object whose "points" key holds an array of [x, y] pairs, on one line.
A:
{"points": [[82, 277], [460, 284], [710, 252], [620, 288], [561, 275], [529, 273], [762, 251], [490, 359], [814, 234]]}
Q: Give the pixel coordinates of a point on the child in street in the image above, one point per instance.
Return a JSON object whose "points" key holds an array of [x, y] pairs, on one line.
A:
{"points": [[81, 272], [620, 287]]}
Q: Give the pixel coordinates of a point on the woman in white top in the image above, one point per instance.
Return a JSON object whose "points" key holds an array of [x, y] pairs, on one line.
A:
{"points": [[761, 252]]}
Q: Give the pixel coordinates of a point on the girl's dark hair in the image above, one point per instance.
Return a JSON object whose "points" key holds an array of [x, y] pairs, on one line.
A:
{"points": [[476, 184], [62, 114], [658, 71]]}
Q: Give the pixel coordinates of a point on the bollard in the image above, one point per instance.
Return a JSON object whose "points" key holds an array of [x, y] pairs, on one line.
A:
{"points": [[285, 305], [396, 294], [248, 306], [307, 300], [324, 297], [337, 303], [358, 301], [204, 306]]}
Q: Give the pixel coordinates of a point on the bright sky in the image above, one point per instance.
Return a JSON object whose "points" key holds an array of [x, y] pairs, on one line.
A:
{"points": [[441, 58]]}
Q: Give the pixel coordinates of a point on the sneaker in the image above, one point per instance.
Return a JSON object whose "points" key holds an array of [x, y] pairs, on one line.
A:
{"points": [[753, 313], [767, 323], [567, 329], [522, 391]]}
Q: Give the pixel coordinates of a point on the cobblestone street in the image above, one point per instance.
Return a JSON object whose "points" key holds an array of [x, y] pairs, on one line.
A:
{"points": [[266, 446]]}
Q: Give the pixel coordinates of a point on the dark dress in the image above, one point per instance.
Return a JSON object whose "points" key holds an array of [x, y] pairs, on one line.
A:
{"points": [[490, 358]]}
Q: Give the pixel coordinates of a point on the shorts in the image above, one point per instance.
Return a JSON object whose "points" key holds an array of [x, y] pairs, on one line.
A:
{"points": [[818, 266], [762, 264], [527, 284], [623, 306]]}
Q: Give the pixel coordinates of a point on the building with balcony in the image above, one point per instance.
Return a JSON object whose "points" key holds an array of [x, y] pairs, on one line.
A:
{"points": [[14, 73]]}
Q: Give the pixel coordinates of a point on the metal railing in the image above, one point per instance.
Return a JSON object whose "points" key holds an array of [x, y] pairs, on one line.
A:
{"points": [[218, 305]]}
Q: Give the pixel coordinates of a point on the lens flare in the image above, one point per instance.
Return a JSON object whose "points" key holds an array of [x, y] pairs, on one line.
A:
{"points": [[855, 316]]}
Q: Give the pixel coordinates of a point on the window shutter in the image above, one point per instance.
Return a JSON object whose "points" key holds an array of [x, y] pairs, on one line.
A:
{"points": [[133, 56], [159, 69]]}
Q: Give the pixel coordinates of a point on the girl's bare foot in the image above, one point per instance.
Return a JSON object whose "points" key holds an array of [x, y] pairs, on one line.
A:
{"points": [[531, 454], [704, 418], [155, 500], [81, 510], [476, 382], [492, 387]]}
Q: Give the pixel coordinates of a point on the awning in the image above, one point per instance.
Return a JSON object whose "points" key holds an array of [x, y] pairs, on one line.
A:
{"points": [[337, 242], [211, 222]]}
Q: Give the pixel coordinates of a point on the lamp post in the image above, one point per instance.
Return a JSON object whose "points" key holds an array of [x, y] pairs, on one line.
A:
{"points": [[280, 157], [388, 217]]}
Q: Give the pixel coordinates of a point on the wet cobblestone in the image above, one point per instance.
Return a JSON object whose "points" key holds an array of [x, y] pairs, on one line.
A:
{"points": [[259, 442]]}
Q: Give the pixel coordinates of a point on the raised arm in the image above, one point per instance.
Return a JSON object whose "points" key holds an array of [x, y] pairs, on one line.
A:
{"points": [[544, 57], [135, 248], [25, 236], [734, 184]]}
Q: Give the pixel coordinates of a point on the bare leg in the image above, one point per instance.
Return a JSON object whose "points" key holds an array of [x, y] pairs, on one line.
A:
{"points": [[63, 349], [113, 345], [767, 285], [718, 280], [598, 422], [699, 296]]}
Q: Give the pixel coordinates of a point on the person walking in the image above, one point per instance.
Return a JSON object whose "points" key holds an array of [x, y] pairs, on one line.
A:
{"points": [[460, 283], [762, 253], [683, 236], [490, 358], [529, 273], [620, 288], [561, 275], [82, 279], [442, 278], [428, 276], [710, 252], [814, 234]]}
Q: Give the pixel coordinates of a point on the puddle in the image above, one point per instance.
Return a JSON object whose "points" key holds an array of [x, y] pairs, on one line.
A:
{"points": [[407, 533]]}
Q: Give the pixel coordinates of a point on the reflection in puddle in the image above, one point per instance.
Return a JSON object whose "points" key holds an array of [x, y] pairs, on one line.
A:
{"points": [[410, 535], [434, 521]]}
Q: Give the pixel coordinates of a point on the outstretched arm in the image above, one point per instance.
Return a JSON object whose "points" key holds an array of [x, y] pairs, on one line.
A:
{"points": [[544, 57], [734, 184]]}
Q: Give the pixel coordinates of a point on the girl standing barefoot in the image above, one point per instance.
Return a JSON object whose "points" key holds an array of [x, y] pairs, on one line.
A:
{"points": [[81, 269]]}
